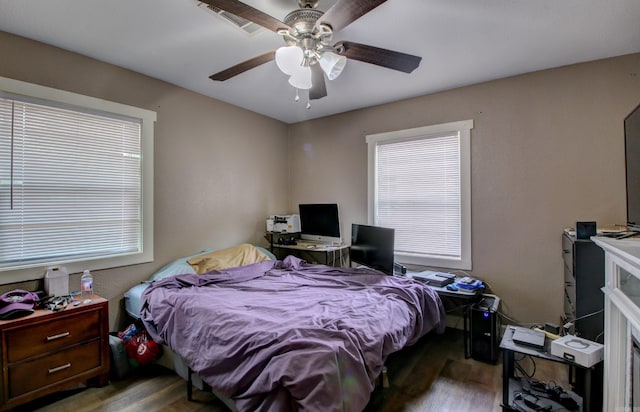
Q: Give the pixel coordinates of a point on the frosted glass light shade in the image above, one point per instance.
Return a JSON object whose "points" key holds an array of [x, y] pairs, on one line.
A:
{"points": [[332, 64], [301, 78], [289, 59]]}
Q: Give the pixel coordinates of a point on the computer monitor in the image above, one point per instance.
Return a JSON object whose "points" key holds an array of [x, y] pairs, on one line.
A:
{"points": [[373, 246], [320, 223]]}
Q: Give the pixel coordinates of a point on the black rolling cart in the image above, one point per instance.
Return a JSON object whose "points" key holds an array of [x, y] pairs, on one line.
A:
{"points": [[515, 389]]}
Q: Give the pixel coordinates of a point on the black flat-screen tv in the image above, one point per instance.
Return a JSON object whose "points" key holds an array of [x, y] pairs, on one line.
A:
{"points": [[373, 246], [632, 155], [320, 222]]}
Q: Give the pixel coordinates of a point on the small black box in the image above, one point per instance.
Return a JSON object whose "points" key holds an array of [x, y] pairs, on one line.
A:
{"points": [[584, 230], [437, 279], [484, 329]]}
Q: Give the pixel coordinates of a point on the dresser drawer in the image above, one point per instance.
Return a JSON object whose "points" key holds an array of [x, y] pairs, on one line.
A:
{"points": [[53, 335], [41, 372]]}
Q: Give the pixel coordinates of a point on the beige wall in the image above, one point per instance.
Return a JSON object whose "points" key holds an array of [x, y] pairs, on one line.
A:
{"points": [[215, 164], [546, 150]]}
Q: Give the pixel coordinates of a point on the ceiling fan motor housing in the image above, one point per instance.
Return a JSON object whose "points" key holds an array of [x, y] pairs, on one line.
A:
{"points": [[305, 33], [303, 20]]}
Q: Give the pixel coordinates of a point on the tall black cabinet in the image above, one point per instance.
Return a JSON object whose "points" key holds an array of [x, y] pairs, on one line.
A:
{"points": [[583, 281], [584, 306]]}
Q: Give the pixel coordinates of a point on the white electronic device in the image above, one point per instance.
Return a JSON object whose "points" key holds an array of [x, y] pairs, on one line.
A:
{"points": [[283, 224], [575, 349], [56, 281]]}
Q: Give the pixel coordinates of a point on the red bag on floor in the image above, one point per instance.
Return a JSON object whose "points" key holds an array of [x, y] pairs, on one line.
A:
{"points": [[140, 348]]}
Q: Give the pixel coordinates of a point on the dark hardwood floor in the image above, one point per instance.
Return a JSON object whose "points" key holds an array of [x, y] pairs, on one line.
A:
{"points": [[432, 375]]}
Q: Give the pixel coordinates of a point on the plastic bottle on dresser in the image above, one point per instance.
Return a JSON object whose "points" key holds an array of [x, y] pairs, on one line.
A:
{"points": [[86, 286]]}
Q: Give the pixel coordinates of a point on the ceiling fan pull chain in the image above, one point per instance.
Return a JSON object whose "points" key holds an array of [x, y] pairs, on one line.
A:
{"points": [[297, 98]]}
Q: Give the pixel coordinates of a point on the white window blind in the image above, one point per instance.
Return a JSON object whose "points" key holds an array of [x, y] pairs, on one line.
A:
{"points": [[420, 186], [418, 194], [70, 184]]}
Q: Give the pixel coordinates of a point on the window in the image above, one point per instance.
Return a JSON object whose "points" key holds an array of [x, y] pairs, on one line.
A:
{"points": [[75, 181], [420, 185]]}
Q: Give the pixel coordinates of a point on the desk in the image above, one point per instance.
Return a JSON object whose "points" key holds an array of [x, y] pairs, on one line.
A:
{"points": [[307, 250], [461, 299], [327, 255], [511, 385]]}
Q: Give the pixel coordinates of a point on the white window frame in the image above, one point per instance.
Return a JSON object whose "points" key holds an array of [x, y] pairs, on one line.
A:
{"points": [[463, 128], [147, 119]]}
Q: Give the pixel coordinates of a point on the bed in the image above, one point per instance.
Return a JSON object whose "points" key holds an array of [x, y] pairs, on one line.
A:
{"points": [[288, 335], [202, 260]]}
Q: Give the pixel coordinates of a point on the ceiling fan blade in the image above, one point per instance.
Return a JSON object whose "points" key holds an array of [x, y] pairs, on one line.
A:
{"points": [[247, 12], [382, 57], [244, 66], [345, 12], [319, 88]]}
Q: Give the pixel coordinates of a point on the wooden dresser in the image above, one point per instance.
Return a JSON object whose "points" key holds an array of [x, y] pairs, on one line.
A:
{"points": [[48, 351]]}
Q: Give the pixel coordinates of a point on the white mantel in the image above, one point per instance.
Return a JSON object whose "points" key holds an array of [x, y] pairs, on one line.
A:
{"points": [[621, 318]]}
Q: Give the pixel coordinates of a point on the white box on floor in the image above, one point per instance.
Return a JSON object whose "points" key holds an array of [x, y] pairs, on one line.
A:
{"points": [[581, 351]]}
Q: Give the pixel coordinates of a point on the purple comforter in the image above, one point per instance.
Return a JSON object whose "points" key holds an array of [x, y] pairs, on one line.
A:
{"points": [[287, 335]]}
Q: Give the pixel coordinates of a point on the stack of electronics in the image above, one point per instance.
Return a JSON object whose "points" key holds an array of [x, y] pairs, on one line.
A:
{"points": [[317, 226], [572, 348], [448, 280], [469, 283], [437, 279]]}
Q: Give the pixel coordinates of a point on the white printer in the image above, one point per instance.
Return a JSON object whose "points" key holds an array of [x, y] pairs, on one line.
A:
{"points": [[283, 223]]}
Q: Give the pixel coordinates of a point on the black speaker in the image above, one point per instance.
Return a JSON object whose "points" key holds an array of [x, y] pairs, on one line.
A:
{"points": [[484, 329], [289, 240], [584, 230]]}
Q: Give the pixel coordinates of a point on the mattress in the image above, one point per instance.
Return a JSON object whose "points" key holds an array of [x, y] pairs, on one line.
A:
{"points": [[132, 302]]}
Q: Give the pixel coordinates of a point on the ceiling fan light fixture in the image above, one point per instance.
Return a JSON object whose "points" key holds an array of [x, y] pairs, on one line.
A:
{"points": [[289, 59], [332, 64], [308, 57], [301, 78]]}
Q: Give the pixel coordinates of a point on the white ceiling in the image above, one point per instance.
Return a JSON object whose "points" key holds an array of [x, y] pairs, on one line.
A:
{"points": [[461, 42]]}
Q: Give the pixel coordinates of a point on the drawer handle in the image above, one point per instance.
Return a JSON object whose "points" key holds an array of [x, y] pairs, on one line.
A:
{"points": [[58, 336], [59, 368]]}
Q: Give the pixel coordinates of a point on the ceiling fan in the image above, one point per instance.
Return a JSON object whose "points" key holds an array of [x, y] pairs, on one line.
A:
{"points": [[309, 56]]}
